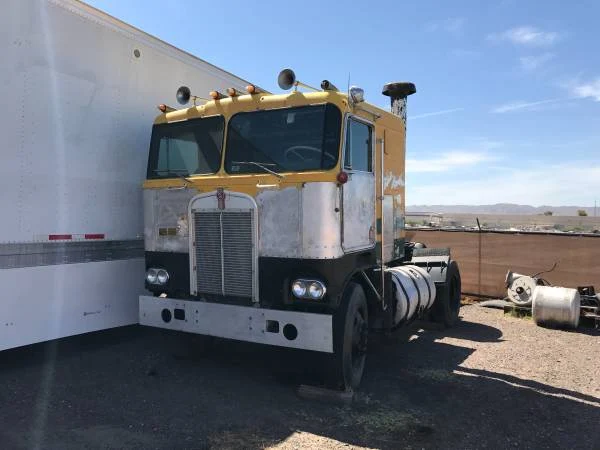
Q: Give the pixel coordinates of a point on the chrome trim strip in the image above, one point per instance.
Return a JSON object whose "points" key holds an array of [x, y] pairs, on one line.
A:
{"points": [[222, 254], [34, 254]]}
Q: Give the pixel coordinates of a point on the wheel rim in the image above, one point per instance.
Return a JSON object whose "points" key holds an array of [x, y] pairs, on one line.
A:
{"points": [[359, 340]]}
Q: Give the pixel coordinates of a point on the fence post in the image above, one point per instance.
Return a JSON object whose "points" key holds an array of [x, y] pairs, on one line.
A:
{"points": [[479, 258]]}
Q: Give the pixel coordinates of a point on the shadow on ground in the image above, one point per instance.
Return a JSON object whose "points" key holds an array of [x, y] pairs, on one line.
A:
{"points": [[138, 388]]}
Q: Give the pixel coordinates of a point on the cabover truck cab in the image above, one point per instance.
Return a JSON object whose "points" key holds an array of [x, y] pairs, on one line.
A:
{"points": [[279, 219]]}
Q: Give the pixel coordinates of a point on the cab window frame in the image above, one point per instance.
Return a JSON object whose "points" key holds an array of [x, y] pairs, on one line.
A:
{"points": [[371, 161], [152, 168], [226, 162]]}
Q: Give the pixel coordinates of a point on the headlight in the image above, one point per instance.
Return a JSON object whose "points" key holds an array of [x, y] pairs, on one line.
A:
{"points": [[162, 276], [308, 289], [299, 288], [157, 276], [151, 276], [316, 290]]}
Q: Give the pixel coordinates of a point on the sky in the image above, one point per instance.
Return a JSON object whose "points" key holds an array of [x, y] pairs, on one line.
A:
{"points": [[507, 108]]}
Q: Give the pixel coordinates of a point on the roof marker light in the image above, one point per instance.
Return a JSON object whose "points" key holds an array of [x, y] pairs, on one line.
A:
{"points": [[165, 108], [215, 95]]}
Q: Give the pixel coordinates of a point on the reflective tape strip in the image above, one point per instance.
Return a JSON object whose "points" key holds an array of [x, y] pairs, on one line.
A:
{"points": [[60, 237], [68, 236], [35, 254], [93, 236]]}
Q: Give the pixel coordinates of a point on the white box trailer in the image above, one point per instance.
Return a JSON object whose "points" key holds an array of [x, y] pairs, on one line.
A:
{"points": [[79, 91]]}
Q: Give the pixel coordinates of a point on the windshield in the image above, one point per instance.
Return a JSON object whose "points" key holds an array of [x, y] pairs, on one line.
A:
{"points": [[284, 140], [186, 148]]}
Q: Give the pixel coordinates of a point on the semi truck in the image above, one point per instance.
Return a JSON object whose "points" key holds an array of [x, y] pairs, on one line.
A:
{"points": [[279, 219], [79, 89]]}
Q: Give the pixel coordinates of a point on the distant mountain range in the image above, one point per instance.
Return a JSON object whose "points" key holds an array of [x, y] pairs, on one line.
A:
{"points": [[502, 208]]}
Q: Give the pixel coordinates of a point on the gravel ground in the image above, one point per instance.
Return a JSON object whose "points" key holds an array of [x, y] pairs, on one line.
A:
{"points": [[491, 382]]}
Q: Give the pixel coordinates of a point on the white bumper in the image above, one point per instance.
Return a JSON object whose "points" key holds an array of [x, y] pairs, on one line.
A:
{"points": [[293, 329]]}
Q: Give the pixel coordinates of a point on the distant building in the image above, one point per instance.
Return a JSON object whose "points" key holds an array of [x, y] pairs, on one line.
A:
{"points": [[427, 219]]}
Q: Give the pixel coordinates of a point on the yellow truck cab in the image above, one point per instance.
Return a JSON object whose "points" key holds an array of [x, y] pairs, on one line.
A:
{"points": [[279, 219]]}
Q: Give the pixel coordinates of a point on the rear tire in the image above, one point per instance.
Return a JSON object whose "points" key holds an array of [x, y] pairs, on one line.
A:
{"points": [[446, 308], [350, 339]]}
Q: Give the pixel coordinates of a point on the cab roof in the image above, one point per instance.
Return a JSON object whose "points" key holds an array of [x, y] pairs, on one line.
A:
{"points": [[228, 106]]}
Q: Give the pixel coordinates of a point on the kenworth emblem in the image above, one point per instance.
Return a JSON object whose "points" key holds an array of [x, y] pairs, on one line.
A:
{"points": [[221, 198]]}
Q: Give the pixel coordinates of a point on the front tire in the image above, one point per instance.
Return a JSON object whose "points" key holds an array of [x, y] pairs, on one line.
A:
{"points": [[350, 339]]}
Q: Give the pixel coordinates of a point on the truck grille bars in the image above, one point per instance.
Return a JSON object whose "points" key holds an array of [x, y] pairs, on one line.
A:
{"points": [[223, 246]]}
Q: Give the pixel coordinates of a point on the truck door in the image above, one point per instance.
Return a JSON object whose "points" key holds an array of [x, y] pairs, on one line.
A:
{"points": [[358, 194]]}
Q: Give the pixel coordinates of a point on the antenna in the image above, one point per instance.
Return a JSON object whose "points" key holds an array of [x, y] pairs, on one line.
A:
{"points": [[348, 87]]}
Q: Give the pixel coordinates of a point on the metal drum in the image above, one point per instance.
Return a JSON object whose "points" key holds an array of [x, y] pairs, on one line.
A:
{"points": [[520, 288], [556, 306], [414, 290]]}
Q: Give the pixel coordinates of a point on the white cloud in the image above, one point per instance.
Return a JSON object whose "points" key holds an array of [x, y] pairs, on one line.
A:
{"points": [[536, 184], [519, 105], [588, 90], [452, 25], [527, 35], [435, 113], [447, 161], [531, 63]]}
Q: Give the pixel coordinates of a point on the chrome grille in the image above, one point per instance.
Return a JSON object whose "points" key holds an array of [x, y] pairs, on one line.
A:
{"points": [[224, 252]]}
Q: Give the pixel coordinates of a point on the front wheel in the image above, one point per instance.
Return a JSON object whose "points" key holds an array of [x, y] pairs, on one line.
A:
{"points": [[350, 338]]}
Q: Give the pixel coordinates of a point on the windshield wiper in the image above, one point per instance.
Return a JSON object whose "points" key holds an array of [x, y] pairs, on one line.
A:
{"points": [[179, 173], [263, 166]]}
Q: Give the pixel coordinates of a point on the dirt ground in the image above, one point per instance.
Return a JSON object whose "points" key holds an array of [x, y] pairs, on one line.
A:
{"points": [[491, 382]]}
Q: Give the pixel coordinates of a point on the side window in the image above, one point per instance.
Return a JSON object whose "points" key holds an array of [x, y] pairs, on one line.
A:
{"points": [[178, 154], [359, 148]]}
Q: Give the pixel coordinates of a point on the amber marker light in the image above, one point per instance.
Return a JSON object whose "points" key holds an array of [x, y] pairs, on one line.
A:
{"points": [[251, 89], [231, 92], [162, 108]]}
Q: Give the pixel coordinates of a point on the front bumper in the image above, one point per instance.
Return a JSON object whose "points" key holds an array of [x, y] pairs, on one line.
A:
{"points": [[308, 331]]}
